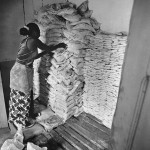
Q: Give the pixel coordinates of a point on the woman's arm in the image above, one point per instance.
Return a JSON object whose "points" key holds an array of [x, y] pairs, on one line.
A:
{"points": [[43, 53], [48, 49], [43, 46]]}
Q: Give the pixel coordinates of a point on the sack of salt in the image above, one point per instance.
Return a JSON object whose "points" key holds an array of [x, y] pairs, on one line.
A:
{"points": [[83, 7], [68, 10], [73, 17], [95, 23], [88, 14], [84, 26], [31, 146], [83, 20]]}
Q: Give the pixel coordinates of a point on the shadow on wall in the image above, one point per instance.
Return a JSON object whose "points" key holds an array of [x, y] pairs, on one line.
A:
{"points": [[5, 68]]}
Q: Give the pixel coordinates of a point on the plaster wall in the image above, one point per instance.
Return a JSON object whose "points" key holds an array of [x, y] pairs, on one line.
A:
{"points": [[133, 102], [3, 118]]}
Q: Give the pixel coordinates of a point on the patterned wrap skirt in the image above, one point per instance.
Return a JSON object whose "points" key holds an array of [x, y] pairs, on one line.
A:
{"points": [[21, 78], [19, 107]]}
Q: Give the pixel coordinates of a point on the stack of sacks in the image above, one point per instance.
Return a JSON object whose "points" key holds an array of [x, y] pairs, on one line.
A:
{"points": [[102, 72], [51, 33], [64, 76], [66, 88], [79, 26], [91, 58]]}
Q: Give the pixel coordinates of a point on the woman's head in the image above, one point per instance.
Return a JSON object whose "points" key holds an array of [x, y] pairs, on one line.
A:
{"points": [[31, 30]]}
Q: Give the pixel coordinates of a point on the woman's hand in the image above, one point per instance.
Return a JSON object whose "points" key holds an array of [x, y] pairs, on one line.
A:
{"points": [[62, 45], [50, 53]]}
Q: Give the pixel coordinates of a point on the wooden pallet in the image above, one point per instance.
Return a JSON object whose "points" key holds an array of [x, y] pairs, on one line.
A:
{"points": [[84, 132]]}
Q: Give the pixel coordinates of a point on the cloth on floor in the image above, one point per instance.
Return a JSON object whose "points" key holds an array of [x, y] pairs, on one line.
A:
{"points": [[52, 122], [31, 146], [45, 114], [16, 143]]}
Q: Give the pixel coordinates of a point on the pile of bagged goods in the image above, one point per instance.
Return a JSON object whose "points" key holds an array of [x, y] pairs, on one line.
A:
{"points": [[102, 73], [59, 80], [17, 143]]}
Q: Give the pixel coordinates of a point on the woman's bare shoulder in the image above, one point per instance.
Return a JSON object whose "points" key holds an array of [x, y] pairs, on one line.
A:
{"points": [[32, 43]]}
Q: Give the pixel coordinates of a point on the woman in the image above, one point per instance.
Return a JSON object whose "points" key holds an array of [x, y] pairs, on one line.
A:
{"points": [[22, 73]]}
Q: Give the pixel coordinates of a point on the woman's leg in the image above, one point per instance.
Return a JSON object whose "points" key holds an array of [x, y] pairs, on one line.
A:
{"points": [[24, 108], [12, 112], [13, 103], [31, 110], [19, 107]]}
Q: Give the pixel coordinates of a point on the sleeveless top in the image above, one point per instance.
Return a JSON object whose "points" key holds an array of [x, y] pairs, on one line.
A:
{"points": [[21, 74]]}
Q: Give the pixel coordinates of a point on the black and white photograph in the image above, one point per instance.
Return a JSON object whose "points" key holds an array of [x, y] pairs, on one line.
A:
{"points": [[75, 75]]}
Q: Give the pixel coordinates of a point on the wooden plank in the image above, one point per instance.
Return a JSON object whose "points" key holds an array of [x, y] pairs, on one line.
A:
{"points": [[71, 139], [93, 118], [74, 125], [102, 135], [3, 117], [40, 140], [65, 144], [47, 135], [82, 139], [97, 121], [33, 131], [96, 124], [54, 145], [102, 138]]}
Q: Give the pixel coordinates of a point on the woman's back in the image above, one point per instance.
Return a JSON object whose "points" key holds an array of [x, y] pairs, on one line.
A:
{"points": [[27, 51]]}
